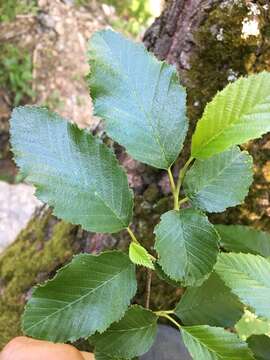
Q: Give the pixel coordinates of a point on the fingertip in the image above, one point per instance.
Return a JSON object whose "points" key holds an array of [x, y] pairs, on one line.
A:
{"points": [[87, 356], [13, 346]]}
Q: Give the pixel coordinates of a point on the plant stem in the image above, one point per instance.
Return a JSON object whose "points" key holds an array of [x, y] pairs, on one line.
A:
{"points": [[160, 313], [136, 241], [132, 235], [172, 320], [173, 189], [165, 315], [148, 288], [182, 201], [181, 176]]}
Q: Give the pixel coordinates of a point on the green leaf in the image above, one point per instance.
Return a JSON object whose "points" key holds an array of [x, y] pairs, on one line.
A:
{"points": [[247, 276], [221, 181], [260, 346], [210, 304], [132, 336], [139, 256], [240, 238], [164, 277], [187, 244], [214, 343], [250, 324], [72, 170], [102, 356], [139, 97], [238, 113], [85, 296]]}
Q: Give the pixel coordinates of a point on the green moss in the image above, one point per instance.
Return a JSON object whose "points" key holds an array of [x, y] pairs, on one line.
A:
{"points": [[9, 9], [16, 72], [222, 53], [36, 253], [214, 58]]}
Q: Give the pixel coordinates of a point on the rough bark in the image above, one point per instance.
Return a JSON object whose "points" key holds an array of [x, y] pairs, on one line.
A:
{"points": [[186, 34], [171, 37], [204, 40]]}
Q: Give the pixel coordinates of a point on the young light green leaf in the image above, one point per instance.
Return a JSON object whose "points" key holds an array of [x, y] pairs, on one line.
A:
{"points": [[251, 324], [140, 256], [132, 336], [72, 170], [212, 303], [240, 238], [139, 97], [220, 181], [247, 276], [238, 113], [214, 343], [260, 346], [75, 303], [187, 244]]}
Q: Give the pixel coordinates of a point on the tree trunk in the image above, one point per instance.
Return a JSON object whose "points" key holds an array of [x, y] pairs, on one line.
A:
{"points": [[203, 39]]}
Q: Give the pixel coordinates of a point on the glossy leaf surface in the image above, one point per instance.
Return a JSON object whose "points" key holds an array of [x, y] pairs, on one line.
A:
{"points": [[132, 336], [247, 276], [139, 98], [238, 113], [214, 343], [187, 244], [220, 181], [73, 171], [85, 296], [212, 303]]}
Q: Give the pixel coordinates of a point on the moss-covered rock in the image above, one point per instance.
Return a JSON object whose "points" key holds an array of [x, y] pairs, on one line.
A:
{"points": [[43, 246]]}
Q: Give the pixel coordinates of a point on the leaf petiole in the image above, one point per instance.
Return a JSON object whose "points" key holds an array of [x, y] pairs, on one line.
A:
{"points": [[173, 189], [181, 175], [182, 201], [132, 235], [166, 315]]}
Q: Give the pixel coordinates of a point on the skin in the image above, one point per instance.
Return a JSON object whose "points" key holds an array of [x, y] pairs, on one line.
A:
{"points": [[23, 348]]}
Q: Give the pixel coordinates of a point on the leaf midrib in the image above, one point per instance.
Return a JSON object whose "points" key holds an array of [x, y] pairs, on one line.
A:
{"points": [[89, 186], [132, 329], [77, 300], [228, 125], [148, 118], [219, 173], [209, 349], [248, 276]]}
